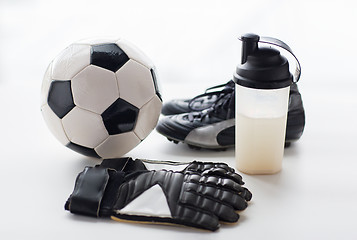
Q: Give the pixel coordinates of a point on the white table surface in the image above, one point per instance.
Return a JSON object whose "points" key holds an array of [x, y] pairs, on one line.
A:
{"points": [[194, 47]]}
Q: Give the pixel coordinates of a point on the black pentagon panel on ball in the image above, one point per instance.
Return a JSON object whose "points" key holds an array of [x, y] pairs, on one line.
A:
{"points": [[155, 84], [90, 152], [120, 117], [109, 56], [60, 98]]}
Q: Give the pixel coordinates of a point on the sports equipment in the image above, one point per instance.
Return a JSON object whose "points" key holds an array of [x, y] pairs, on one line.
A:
{"points": [[201, 195], [198, 103], [214, 127], [100, 97]]}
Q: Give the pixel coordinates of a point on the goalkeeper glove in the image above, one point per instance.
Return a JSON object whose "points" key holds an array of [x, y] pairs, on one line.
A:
{"points": [[200, 195]]}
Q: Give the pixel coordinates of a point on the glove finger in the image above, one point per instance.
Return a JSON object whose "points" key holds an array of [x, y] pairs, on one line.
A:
{"points": [[196, 166], [246, 194], [229, 184], [192, 216], [218, 182], [224, 212], [231, 198], [223, 173]]}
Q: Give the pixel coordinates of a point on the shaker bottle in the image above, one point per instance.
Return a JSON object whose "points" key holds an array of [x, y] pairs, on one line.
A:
{"points": [[262, 82]]}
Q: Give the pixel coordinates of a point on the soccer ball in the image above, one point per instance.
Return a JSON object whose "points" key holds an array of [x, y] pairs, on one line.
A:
{"points": [[100, 97]]}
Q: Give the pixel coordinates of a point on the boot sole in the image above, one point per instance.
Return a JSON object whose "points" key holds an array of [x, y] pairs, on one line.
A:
{"points": [[199, 146]]}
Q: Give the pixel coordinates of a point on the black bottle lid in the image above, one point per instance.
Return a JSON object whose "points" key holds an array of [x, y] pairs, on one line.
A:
{"points": [[261, 68]]}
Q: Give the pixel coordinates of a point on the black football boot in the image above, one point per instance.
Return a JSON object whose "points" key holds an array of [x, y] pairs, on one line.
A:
{"points": [[211, 128], [214, 127], [296, 116], [199, 102]]}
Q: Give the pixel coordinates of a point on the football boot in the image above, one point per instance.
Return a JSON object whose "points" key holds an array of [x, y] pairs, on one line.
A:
{"points": [[198, 103], [214, 127]]}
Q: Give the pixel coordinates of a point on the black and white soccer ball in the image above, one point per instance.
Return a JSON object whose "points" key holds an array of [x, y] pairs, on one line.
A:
{"points": [[100, 97]]}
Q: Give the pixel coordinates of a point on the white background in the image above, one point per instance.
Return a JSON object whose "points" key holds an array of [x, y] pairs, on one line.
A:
{"points": [[194, 45]]}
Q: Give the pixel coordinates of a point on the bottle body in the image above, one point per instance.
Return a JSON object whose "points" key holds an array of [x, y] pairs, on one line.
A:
{"points": [[261, 116]]}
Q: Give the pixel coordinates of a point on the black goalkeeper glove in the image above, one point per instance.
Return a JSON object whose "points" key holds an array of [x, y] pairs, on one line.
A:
{"points": [[201, 195]]}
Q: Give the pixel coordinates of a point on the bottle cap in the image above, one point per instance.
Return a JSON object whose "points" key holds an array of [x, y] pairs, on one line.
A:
{"points": [[261, 68]]}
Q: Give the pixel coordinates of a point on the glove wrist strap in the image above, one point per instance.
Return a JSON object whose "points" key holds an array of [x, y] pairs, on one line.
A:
{"points": [[126, 164], [88, 191]]}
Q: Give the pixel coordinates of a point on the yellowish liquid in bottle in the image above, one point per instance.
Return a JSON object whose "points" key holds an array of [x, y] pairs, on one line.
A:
{"points": [[260, 144]]}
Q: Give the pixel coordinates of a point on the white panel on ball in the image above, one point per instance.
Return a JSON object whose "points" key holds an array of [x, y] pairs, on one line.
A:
{"points": [[84, 128], [71, 61], [46, 83], [135, 53], [116, 146], [148, 117], [135, 83], [54, 124], [95, 89]]}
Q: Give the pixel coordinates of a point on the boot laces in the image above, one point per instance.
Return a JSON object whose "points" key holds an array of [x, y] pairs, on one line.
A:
{"points": [[223, 103], [209, 94]]}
